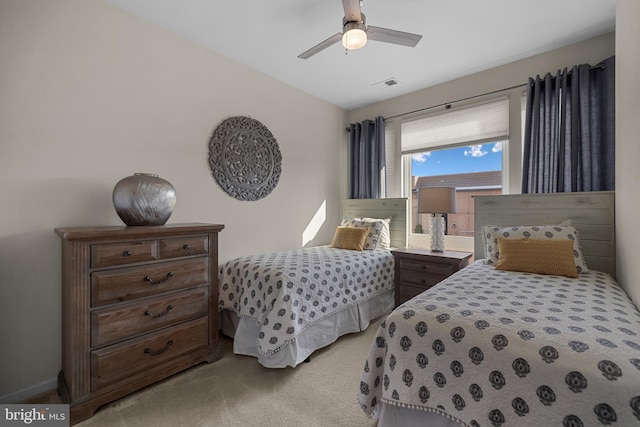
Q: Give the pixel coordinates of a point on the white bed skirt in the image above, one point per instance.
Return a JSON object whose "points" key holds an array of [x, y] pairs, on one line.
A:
{"points": [[394, 416], [244, 331]]}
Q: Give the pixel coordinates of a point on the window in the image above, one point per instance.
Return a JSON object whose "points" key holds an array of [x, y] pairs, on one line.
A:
{"points": [[457, 146], [472, 170]]}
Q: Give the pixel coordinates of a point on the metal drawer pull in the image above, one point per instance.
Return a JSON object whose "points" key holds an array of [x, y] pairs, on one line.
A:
{"points": [[126, 253], [157, 282], [164, 313], [186, 247], [162, 350]]}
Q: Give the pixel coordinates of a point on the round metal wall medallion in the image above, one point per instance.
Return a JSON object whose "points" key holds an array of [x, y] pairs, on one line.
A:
{"points": [[245, 158]]}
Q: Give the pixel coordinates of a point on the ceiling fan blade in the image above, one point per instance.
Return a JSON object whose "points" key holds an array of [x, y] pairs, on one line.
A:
{"points": [[352, 10], [321, 46], [393, 36]]}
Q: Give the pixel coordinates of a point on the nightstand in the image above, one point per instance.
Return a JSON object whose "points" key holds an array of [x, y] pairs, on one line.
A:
{"points": [[416, 270]]}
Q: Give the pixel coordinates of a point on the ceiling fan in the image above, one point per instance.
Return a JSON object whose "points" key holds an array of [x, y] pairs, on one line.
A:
{"points": [[355, 32]]}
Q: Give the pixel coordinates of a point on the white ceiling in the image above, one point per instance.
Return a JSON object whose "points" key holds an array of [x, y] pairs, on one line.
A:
{"points": [[460, 37]]}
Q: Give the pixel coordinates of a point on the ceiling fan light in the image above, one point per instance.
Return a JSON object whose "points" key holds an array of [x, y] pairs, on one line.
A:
{"points": [[354, 36]]}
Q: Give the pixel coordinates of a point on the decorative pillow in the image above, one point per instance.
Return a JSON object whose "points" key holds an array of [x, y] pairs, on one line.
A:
{"points": [[379, 235], [541, 256], [385, 235], [491, 233], [350, 238]]}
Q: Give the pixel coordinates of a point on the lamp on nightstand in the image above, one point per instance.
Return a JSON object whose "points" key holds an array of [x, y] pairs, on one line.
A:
{"points": [[437, 201]]}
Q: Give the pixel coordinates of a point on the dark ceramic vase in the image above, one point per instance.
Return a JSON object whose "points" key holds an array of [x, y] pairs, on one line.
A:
{"points": [[144, 199]]}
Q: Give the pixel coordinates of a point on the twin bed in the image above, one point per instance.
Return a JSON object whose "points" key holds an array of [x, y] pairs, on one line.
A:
{"points": [[281, 307], [494, 347]]}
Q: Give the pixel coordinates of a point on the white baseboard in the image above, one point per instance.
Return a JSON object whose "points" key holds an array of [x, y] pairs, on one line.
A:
{"points": [[29, 392]]}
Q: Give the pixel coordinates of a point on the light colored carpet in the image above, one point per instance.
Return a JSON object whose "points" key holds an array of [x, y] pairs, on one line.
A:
{"points": [[238, 391]]}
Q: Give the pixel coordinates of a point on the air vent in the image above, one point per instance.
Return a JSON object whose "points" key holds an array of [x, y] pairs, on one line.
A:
{"points": [[392, 81]]}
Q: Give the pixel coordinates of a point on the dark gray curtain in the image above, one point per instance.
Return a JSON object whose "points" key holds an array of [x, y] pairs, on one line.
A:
{"points": [[569, 137], [367, 158]]}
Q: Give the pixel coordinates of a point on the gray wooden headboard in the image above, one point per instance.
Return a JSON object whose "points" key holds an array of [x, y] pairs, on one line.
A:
{"points": [[591, 213], [396, 209]]}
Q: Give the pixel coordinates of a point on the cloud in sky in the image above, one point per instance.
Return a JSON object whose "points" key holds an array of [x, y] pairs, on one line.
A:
{"points": [[420, 157], [497, 147], [475, 151]]}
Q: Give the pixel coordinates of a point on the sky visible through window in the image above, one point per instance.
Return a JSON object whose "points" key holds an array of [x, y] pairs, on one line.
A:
{"points": [[474, 158]]}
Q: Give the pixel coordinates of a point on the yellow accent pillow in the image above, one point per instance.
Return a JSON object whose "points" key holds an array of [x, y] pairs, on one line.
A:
{"points": [[350, 238], [537, 256]]}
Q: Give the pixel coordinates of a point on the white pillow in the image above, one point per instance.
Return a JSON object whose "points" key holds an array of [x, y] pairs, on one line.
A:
{"points": [[490, 234], [378, 237]]}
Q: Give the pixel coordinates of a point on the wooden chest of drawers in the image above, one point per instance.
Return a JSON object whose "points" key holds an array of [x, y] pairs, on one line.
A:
{"points": [[416, 270], [138, 304]]}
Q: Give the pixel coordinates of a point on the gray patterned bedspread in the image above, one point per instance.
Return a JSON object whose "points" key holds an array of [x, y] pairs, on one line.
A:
{"points": [[499, 348], [286, 292]]}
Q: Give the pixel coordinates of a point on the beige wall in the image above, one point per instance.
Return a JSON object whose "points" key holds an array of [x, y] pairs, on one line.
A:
{"points": [[89, 95], [628, 145]]}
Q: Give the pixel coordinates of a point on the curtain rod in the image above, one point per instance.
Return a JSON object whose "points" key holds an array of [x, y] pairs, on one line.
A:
{"points": [[448, 104], [601, 65]]}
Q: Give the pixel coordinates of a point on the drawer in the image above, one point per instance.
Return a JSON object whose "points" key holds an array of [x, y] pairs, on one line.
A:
{"points": [[184, 246], [109, 254], [406, 292], [429, 267], [125, 320], [133, 357], [128, 283], [421, 278]]}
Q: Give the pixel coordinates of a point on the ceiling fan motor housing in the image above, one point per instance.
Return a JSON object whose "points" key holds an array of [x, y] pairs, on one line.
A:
{"points": [[362, 23], [354, 33]]}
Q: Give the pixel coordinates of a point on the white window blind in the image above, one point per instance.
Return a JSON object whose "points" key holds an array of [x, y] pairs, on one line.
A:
{"points": [[390, 159], [476, 124]]}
